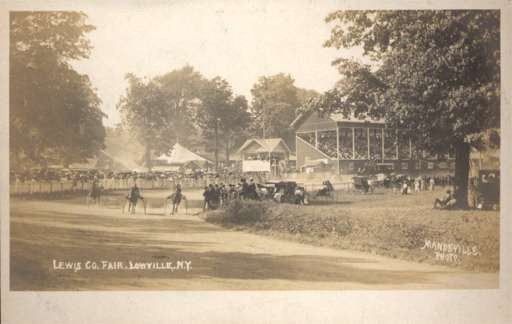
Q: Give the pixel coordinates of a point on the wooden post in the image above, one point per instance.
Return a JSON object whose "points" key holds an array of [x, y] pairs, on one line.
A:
{"points": [[410, 148], [297, 168], [338, 147], [396, 144], [368, 140], [353, 143], [382, 141]]}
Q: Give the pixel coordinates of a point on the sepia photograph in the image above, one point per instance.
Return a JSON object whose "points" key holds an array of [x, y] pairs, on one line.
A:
{"points": [[253, 146]]}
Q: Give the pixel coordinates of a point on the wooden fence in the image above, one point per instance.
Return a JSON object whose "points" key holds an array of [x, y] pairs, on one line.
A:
{"points": [[46, 187]]}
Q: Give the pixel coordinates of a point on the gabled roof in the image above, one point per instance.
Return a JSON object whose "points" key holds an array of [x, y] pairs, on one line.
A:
{"points": [[180, 155], [335, 117], [300, 119], [266, 144]]}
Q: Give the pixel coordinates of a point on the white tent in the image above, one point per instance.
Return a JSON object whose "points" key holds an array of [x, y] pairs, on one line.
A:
{"points": [[181, 155]]}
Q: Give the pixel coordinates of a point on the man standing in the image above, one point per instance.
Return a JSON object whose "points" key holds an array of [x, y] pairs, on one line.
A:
{"points": [[244, 193], [206, 198], [252, 190], [95, 193]]}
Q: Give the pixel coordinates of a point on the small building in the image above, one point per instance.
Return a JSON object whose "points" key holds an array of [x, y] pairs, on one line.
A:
{"points": [[264, 155], [347, 145]]}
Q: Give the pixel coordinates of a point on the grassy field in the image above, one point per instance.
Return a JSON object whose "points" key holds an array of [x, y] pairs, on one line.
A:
{"points": [[405, 227]]}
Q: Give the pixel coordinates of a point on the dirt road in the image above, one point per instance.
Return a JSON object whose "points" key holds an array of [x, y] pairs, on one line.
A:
{"points": [[107, 250]]}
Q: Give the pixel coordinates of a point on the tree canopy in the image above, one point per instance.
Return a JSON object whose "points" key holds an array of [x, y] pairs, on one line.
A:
{"points": [[183, 106], [54, 111], [143, 108], [222, 116], [275, 104], [434, 74], [181, 90]]}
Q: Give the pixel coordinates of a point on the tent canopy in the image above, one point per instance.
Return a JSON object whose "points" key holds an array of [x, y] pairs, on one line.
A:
{"points": [[181, 155]]}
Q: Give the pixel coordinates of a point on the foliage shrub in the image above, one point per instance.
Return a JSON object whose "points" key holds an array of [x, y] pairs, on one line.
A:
{"points": [[240, 212]]}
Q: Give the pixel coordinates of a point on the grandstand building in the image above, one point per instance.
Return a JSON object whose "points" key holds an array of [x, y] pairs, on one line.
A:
{"points": [[348, 145]]}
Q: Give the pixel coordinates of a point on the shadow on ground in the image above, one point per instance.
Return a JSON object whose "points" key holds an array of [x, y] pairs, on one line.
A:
{"points": [[81, 237]]}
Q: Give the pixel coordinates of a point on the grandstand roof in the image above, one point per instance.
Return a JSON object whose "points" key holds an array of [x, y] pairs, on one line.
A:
{"points": [[335, 117]]}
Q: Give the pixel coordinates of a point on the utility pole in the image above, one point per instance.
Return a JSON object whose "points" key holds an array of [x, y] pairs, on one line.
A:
{"points": [[217, 144], [263, 118]]}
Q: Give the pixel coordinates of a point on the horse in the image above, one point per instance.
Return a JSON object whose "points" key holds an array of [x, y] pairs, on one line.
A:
{"points": [[132, 203], [327, 190], [94, 196], [175, 203], [131, 200]]}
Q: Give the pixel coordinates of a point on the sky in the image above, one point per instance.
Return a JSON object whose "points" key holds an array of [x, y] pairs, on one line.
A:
{"points": [[239, 41]]}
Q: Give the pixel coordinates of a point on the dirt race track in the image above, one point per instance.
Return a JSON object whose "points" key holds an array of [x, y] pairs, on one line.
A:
{"points": [[47, 234]]}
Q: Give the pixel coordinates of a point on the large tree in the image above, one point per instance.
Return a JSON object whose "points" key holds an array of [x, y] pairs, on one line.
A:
{"points": [[161, 111], [143, 108], [274, 104], [221, 116], [235, 124], [276, 101], [54, 112], [433, 74], [181, 89]]}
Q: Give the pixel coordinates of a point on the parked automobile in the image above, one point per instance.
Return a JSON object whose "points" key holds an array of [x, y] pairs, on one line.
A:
{"points": [[489, 189], [286, 192]]}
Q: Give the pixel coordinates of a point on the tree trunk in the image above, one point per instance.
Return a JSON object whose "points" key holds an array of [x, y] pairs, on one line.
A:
{"points": [[148, 157], [227, 149], [461, 174], [217, 146]]}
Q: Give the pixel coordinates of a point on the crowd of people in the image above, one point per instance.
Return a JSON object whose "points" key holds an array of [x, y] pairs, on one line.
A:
{"points": [[223, 189], [217, 195], [42, 175], [54, 180], [408, 184]]}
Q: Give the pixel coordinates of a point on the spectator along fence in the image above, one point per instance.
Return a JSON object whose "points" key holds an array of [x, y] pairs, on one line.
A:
{"points": [[67, 186]]}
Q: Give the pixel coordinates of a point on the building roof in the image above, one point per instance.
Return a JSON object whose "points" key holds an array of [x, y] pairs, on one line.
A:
{"points": [[335, 117], [266, 144], [180, 155]]}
